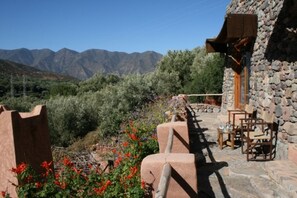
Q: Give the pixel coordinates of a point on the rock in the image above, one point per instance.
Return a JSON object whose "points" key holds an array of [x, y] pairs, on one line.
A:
{"points": [[277, 100], [276, 65], [288, 83], [294, 87], [293, 119], [287, 112], [292, 139], [294, 97], [290, 128], [278, 111], [288, 93], [275, 79]]}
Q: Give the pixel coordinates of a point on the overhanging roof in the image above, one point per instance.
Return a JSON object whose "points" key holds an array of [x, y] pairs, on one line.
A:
{"points": [[235, 26]]}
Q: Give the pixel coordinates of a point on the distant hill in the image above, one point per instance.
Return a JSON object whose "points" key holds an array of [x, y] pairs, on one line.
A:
{"points": [[85, 64], [8, 68]]}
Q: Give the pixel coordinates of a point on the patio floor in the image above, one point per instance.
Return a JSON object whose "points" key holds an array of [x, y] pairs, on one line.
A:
{"points": [[226, 172]]}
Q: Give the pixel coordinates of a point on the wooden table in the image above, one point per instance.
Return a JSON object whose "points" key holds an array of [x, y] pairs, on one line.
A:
{"points": [[229, 141]]}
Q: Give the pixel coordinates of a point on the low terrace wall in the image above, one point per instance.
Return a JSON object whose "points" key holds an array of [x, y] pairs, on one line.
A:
{"points": [[174, 162]]}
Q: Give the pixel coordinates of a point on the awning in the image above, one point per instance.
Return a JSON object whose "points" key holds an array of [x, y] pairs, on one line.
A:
{"points": [[236, 26]]}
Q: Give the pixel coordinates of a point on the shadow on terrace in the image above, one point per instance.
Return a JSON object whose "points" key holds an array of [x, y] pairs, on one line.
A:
{"points": [[201, 148]]}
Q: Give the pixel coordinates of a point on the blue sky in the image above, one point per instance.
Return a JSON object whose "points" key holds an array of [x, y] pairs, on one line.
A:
{"points": [[114, 25]]}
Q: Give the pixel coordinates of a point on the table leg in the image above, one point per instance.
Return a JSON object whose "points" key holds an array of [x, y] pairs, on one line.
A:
{"points": [[232, 140], [220, 140]]}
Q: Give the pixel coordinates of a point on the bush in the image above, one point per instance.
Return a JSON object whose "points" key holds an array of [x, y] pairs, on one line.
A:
{"points": [[70, 181], [69, 118], [22, 104]]}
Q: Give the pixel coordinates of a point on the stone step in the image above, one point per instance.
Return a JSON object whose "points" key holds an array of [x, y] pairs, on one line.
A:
{"points": [[284, 173]]}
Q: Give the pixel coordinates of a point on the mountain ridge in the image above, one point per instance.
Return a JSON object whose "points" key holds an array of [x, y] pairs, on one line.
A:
{"points": [[8, 68], [83, 65]]}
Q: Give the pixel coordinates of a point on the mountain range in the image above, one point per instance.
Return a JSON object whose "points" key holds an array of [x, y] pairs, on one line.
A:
{"points": [[85, 64], [8, 68]]}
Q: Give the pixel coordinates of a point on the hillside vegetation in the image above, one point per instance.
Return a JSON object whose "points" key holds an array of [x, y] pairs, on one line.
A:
{"points": [[103, 102], [21, 80]]}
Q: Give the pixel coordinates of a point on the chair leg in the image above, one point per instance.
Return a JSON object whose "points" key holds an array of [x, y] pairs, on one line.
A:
{"points": [[270, 152], [247, 150]]}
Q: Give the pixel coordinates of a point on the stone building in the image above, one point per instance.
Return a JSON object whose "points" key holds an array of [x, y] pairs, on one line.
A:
{"points": [[259, 40]]}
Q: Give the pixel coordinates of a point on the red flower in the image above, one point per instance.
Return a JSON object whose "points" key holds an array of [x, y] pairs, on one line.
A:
{"points": [[3, 193], [143, 184], [38, 185], [133, 171], [102, 188], [133, 137], [76, 170], [46, 165], [67, 162], [125, 144], [61, 185], [20, 168], [57, 175], [117, 161], [128, 154]]}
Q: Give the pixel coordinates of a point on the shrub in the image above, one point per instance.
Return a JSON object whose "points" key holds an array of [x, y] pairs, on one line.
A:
{"points": [[69, 118], [70, 181]]}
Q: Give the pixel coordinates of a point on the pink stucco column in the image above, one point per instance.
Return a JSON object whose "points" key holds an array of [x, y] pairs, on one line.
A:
{"points": [[180, 138], [183, 181], [24, 138]]}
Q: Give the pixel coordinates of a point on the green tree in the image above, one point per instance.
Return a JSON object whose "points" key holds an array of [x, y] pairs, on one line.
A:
{"points": [[206, 73], [63, 89], [175, 67], [98, 82]]}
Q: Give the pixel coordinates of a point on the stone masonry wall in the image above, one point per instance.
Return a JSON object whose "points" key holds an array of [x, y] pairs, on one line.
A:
{"points": [[228, 91], [273, 78]]}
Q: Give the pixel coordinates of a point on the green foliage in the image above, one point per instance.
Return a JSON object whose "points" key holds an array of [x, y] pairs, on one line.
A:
{"points": [[105, 101], [63, 89], [123, 180], [21, 104], [175, 66], [34, 87], [115, 102], [207, 73], [97, 82], [69, 118]]}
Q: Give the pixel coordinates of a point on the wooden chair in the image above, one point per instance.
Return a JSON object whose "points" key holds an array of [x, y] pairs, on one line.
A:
{"points": [[235, 115], [237, 118], [258, 136]]}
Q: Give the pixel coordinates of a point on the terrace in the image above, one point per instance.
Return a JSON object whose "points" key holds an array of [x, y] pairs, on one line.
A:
{"points": [[222, 172]]}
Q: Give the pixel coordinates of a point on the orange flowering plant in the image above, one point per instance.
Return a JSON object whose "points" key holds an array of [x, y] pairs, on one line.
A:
{"points": [[70, 181], [137, 140]]}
